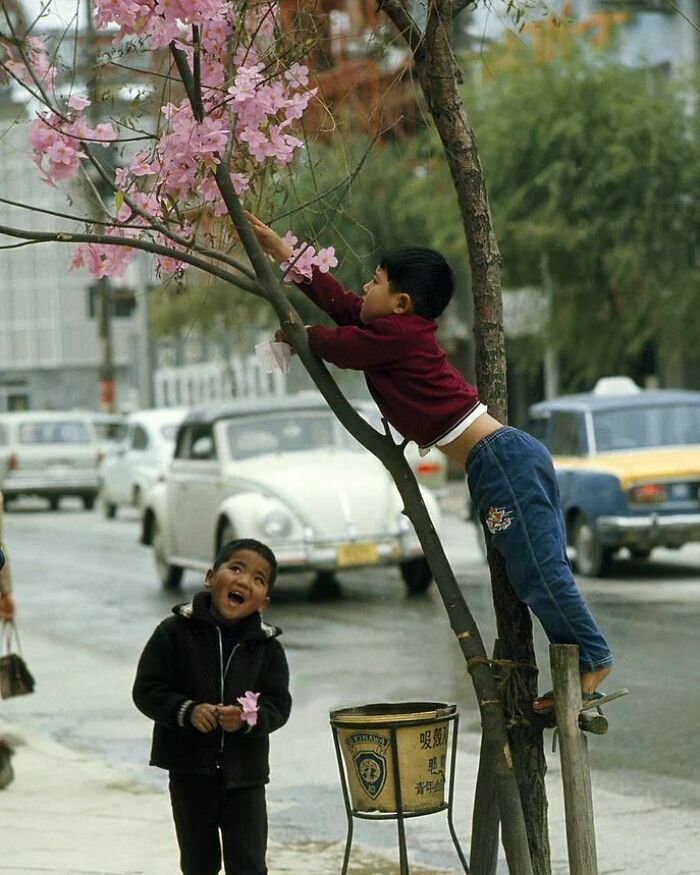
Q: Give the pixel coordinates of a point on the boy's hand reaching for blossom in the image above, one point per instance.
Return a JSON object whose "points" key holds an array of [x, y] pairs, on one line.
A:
{"points": [[270, 241], [204, 717]]}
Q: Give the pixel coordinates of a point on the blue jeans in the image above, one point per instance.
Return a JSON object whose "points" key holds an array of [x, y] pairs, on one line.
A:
{"points": [[515, 493]]}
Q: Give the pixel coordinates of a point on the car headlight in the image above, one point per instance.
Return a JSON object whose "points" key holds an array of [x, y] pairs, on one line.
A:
{"points": [[276, 524]]}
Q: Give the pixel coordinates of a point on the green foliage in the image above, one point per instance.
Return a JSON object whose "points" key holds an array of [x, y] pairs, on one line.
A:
{"points": [[592, 170], [205, 305], [402, 195]]}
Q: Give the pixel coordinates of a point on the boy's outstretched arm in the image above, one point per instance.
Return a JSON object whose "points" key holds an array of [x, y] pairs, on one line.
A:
{"points": [[326, 292], [269, 240], [380, 344]]}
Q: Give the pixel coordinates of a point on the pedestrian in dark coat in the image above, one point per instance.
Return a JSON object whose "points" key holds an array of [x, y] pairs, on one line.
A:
{"points": [[214, 680]]}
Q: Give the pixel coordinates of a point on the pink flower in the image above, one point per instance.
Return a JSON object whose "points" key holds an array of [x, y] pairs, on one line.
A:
{"points": [[325, 259], [299, 265], [75, 101], [249, 707], [297, 74]]}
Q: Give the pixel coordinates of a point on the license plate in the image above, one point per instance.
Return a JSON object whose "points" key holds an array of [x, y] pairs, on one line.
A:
{"points": [[358, 553], [58, 468]]}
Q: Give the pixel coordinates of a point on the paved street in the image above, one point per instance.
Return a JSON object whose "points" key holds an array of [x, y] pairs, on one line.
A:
{"points": [[88, 599]]}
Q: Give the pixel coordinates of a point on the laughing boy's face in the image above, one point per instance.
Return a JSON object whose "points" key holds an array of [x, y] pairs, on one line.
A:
{"points": [[239, 586]]}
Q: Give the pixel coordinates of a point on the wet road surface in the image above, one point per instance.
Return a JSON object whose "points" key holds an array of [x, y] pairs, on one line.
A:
{"points": [[85, 585]]}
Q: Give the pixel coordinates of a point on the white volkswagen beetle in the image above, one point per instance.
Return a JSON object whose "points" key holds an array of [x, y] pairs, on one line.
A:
{"points": [[282, 470]]}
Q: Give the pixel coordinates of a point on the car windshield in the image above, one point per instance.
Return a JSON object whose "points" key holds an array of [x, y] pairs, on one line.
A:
{"points": [[286, 433], [62, 432], [631, 428], [110, 431]]}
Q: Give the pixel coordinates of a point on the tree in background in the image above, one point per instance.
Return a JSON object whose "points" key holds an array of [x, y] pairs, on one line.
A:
{"points": [[596, 193]]}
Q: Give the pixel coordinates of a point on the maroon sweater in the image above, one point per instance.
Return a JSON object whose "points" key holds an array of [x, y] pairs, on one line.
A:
{"points": [[408, 374]]}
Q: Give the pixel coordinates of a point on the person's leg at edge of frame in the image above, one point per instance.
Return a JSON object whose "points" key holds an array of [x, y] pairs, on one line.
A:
{"points": [[195, 803], [244, 831], [512, 481]]}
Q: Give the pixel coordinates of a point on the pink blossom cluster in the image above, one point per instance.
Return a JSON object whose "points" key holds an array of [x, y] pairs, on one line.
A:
{"points": [[57, 140], [304, 258], [162, 21], [249, 707], [38, 70], [250, 102]]}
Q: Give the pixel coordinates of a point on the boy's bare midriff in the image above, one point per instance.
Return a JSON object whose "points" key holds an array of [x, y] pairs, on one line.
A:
{"points": [[458, 450]]}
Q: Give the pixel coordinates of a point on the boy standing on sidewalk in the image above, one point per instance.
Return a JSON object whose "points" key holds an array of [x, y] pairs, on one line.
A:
{"points": [[390, 335], [214, 680]]}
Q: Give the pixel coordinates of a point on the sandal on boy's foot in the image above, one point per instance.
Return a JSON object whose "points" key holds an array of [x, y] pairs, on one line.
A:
{"points": [[588, 700], [596, 699], [547, 706]]}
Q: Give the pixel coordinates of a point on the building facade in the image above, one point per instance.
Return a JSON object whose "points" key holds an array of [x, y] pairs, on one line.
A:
{"points": [[49, 348]]}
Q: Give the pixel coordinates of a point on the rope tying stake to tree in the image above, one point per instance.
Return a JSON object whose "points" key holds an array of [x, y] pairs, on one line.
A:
{"points": [[504, 663], [511, 686]]}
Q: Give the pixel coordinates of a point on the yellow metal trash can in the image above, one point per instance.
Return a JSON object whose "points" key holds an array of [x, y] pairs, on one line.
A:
{"points": [[394, 760]]}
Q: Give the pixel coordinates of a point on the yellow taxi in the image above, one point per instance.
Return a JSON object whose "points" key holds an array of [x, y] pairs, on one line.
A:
{"points": [[628, 468]]}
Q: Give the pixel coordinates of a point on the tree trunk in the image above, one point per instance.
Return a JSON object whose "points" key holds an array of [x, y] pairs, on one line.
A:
{"points": [[435, 69]]}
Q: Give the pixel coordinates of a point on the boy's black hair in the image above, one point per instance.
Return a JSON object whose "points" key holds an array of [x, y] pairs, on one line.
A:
{"points": [[422, 273], [230, 547]]}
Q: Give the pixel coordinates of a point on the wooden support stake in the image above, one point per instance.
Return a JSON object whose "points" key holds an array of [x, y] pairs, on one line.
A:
{"points": [[575, 768], [483, 853]]}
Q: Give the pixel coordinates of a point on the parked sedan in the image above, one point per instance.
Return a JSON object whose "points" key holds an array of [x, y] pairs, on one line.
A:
{"points": [[50, 454], [286, 472], [628, 467], [131, 468]]}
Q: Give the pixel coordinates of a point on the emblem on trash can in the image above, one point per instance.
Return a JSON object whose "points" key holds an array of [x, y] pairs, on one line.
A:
{"points": [[369, 756]]}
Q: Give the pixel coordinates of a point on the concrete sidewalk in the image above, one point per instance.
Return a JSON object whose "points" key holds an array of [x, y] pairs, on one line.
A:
{"points": [[69, 813]]}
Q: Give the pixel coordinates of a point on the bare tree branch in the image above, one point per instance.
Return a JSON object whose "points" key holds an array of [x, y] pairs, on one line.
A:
{"points": [[240, 282], [460, 5], [403, 20]]}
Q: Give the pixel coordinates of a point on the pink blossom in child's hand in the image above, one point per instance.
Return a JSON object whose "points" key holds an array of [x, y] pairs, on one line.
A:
{"points": [[249, 707], [325, 259]]}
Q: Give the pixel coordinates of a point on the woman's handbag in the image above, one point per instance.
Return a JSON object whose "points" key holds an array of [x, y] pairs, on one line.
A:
{"points": [[15, 677]]}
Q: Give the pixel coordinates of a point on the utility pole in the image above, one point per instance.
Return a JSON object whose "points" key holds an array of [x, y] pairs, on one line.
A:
{"points": [[103, 292]]}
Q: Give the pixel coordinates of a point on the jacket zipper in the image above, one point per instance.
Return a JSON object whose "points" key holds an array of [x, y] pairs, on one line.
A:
{"points": [[223, 669]]}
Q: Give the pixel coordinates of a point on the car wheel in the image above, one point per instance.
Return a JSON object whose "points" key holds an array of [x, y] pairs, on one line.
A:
{"points": [[170, 575], [109, 510], [416, 575], [640, 555], [89, 502], [325, 587], [226, 534], [592, 558], [53, 502]]}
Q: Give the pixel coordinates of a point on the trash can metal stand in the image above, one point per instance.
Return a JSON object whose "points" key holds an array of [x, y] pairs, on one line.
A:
{"points": [[392, 759]]}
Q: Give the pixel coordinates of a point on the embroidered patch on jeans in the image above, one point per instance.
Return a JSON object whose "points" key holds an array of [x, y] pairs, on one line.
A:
{"points": [[498, 519]]}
